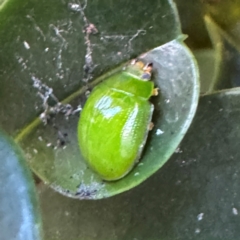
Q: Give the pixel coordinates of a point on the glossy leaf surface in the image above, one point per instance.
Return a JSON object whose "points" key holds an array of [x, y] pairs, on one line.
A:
{"points": [[49, 41], [64, 44], [176, 75], [19, 216]]}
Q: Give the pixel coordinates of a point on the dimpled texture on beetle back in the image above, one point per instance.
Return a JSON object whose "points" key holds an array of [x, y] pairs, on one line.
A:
{"points": [[114, 125]]}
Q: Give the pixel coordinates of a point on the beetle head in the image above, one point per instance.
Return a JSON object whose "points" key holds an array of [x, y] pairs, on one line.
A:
{"points": [[140, 69]]}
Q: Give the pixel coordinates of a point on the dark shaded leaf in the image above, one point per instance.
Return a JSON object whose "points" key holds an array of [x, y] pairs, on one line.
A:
{"points": [[191, 15], [47, 41], [19, 216]]}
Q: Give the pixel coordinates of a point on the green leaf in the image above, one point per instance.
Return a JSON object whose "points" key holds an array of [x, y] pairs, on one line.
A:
{"points": [[45, 39], [65, 169], [206, 63], [227, 55], [19, 216], [57, 45], [226, 14], [1, 3], [194, 196]]}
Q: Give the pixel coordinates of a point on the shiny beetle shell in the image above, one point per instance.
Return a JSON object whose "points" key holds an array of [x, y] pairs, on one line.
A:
{"points": [[115, 121]]}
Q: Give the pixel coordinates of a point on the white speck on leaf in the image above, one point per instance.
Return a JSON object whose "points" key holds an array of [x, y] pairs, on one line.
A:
{"points": [[197, 231], [74, 7], [40, 138], [26, 45], [67, 213], [235, 211], [178, 150], [159, 132], [200, 216]]}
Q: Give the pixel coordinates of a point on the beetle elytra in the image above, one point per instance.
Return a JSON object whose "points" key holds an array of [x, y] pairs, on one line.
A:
{"points": [[115, 121]]}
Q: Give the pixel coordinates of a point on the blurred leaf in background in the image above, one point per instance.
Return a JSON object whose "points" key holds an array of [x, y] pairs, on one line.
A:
{"points": [[191, 14], [19, 210]]}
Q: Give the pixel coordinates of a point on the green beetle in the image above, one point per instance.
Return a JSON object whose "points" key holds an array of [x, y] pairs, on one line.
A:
{"points": [[115, 121]]}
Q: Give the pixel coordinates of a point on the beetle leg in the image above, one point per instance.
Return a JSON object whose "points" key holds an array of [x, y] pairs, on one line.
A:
{"points": [[155, 92], [150, 126]]}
